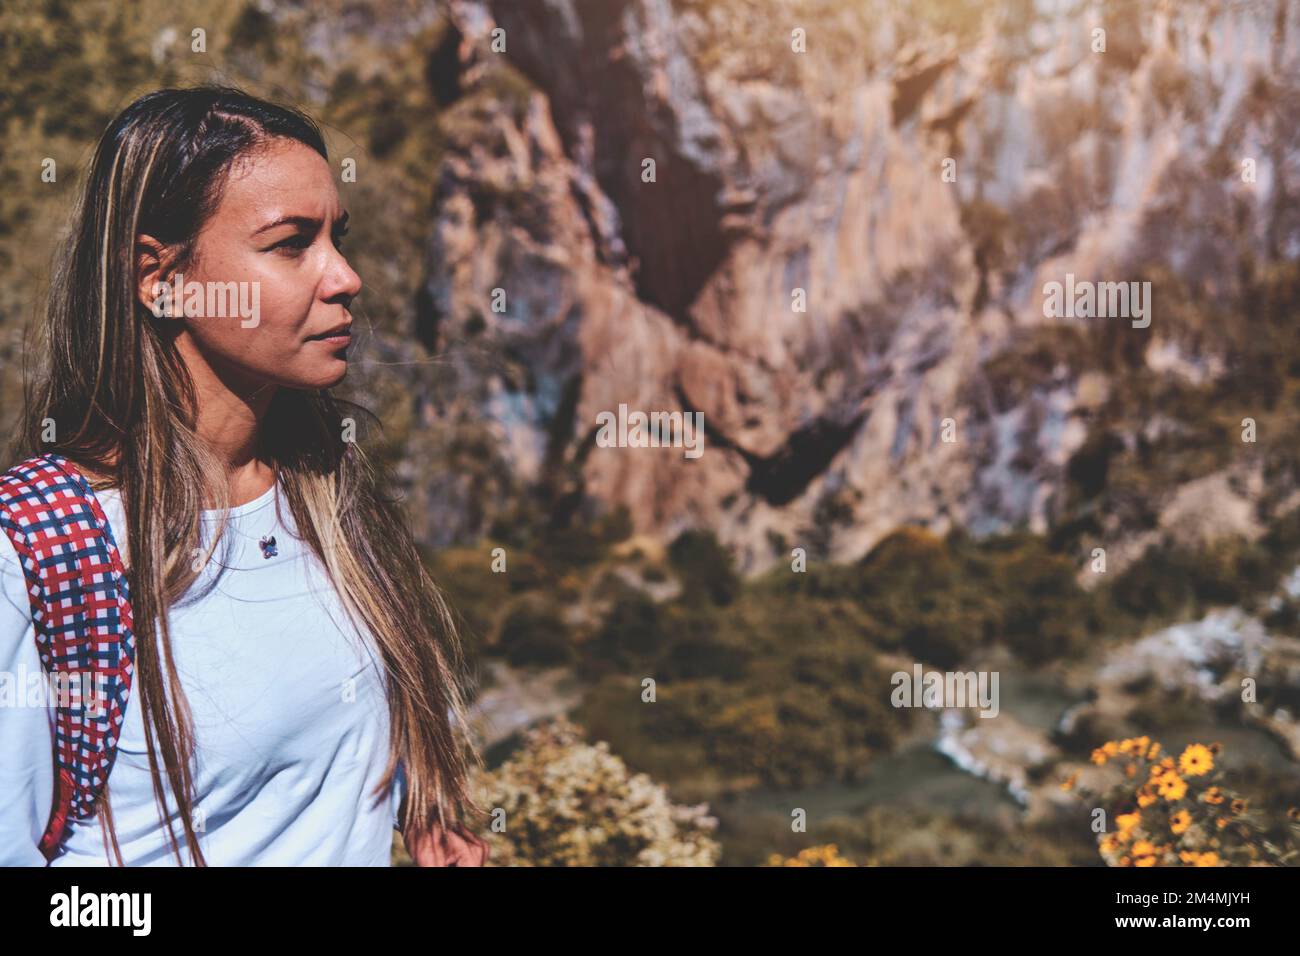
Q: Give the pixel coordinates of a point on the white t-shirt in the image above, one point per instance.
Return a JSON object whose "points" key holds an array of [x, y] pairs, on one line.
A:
{"points": [[289, 715]]}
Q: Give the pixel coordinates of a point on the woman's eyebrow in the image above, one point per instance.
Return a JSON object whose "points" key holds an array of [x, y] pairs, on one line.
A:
{"points": [[307, 222]]}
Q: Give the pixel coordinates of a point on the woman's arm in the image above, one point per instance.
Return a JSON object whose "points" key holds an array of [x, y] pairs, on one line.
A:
{"points": [[26, 724]]}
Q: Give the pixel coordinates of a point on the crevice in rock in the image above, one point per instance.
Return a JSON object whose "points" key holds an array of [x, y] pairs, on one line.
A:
{"points": [[784, 475]]}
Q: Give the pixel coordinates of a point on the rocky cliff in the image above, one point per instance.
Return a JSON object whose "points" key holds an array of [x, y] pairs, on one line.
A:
{"points": [[916, 173]]}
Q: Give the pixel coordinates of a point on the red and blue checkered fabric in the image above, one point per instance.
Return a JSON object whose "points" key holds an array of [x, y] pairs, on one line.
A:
{"points": [[81, 609]]}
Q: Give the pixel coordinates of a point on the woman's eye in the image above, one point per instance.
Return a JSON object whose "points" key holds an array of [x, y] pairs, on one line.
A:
{"points": [[294, 244]]}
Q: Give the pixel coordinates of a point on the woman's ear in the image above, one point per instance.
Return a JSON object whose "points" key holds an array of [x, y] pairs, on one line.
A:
{"points": [[153, 261]]}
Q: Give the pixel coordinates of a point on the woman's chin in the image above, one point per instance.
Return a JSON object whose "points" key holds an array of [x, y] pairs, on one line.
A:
{"points": [[323, 375]]}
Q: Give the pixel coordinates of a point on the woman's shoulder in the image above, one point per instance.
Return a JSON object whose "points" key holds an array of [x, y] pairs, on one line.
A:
{"points": [[30, 486], [20, 506], [13, 586]]}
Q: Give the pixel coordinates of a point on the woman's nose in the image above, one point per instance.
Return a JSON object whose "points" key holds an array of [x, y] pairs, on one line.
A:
{"points": [[344, 280]]}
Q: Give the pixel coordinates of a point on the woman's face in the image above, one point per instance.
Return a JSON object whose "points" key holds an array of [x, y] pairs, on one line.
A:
{"points": [[275, 235]]}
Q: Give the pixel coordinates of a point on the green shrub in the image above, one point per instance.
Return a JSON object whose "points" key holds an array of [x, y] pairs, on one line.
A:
{"points": [[704, 567], [534, 634]]}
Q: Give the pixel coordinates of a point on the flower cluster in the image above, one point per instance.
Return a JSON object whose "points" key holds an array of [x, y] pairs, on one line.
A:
{"points": [[1180, 812], [564, 802], [826, 855]]}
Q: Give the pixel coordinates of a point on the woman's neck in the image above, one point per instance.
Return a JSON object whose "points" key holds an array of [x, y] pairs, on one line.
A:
{"points": [[229, 421]]}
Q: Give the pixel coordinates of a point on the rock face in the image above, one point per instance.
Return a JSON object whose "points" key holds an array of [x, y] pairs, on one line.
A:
{"points": [[915, 177]]}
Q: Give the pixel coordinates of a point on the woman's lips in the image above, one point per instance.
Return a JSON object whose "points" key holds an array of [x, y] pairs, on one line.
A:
{"points": [[336, 338]]}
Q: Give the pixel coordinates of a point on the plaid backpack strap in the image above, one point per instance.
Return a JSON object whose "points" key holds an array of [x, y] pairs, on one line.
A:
{"points": [[81, 612]]}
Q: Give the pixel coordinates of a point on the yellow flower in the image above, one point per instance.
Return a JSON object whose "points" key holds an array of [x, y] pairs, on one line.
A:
{"points": [[1070, 781], [1127, 821], [1221, 822], [1208, 859], [1143, 848], [1126, 745], [1145, 861], [1145, 796], [1110, 843], [1099, 756], [1110, 748], [1180, 821], [1172, 787], [1214, 795], [1238, 806], [1125, 861], [1196, 760], [1153, 752]]}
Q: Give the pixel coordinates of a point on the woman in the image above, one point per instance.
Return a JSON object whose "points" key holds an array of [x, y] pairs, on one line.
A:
{"points": [[294, 663]]}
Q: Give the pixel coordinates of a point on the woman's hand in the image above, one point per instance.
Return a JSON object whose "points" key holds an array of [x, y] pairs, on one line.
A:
{"points": [[439, 847]]}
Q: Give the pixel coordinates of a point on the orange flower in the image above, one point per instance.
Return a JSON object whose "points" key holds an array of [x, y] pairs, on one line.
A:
{"points": [[1214, 795], [1196, 760], [1180, 821], [1172, 787]]}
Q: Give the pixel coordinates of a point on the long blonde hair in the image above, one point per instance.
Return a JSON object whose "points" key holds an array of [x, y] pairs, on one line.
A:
{"points": [[124, 406]]}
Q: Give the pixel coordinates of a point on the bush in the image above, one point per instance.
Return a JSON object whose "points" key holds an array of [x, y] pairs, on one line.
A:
{"points": [[704, 567], [633, 632], [570, 803], [534, 634], [698, 649]]}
